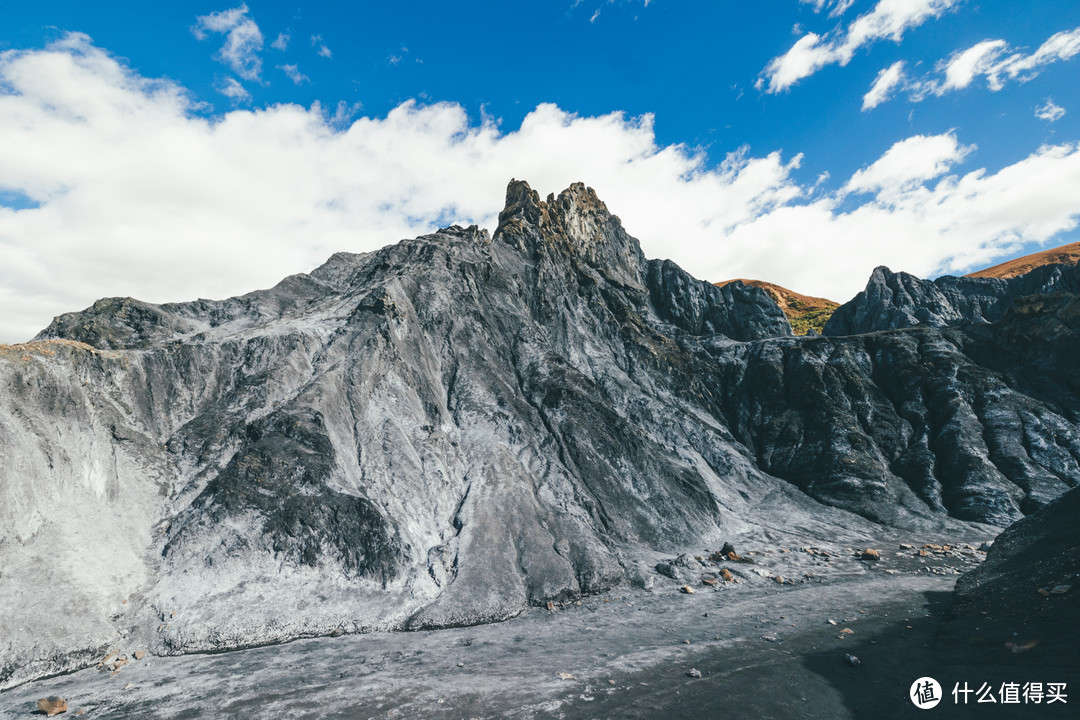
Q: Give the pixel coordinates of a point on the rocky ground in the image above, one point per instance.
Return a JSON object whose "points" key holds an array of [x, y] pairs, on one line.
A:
{"points": [[776, 640]]}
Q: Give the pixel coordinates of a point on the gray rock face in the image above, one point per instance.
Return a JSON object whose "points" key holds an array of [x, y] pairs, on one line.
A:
{"points": [[450, 429], [899, 300]]}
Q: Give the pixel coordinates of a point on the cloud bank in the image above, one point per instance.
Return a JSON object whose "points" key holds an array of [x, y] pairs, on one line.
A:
{"points": [[122, 188]]}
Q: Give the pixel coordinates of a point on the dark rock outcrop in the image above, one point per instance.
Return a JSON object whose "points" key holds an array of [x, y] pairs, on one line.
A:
{"points": [[455, 427], [899, 300], [1025, 598]]}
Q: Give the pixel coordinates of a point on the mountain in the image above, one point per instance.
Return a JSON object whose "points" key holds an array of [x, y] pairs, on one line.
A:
{"points": [[456, 427], [899, 300], [1064, 255], [804, 312]]}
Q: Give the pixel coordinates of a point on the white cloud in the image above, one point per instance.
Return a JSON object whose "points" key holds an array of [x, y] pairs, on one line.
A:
{"points": [[231, 88], [294, 73], [963, 67], [320, 46], [281, 42], [1049, 111], [909, 165], [993, 59], [889, 20], [836, 7], [137, 195], [885, 84], [243, 40], [1061, 46]]}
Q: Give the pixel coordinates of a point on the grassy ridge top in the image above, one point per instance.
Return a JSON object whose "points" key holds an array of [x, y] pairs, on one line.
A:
{"points": [[1064, 255], [804, 312]]}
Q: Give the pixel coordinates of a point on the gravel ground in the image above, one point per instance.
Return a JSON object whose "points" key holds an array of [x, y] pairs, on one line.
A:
{"points": [[764, 648]]}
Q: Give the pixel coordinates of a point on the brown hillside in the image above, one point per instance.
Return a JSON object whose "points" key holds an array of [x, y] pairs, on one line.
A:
{"points": [[1065, 255], [803, 311]]}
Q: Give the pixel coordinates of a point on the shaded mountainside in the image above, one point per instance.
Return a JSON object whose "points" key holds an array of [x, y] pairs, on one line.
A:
{"points": [[458, 426], [1026, 596], [1064, 255], [804, 312]]}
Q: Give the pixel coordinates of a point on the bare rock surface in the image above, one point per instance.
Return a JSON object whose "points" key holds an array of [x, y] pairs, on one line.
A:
{"points": [[899, 300], [458, 427]]}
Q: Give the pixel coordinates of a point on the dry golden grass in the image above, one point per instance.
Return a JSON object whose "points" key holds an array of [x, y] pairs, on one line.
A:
{"points": [[803, 311], [1065, 255]]}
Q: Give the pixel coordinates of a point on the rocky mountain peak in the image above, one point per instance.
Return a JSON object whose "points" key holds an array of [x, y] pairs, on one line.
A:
{"points": [[576, 223]]}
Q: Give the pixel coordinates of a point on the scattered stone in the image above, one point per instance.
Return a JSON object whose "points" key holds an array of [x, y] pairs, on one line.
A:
{"points": [[669, 570], [1060, 589], [870, 554], [52, 705], [140, 654], [693, 672], [852, 660], [687, 590], [727, 549], [727, 576], [831, 621], [905, 546], [1019, 648], [551, 606], [779, 579], [985, 547], [710, 581], [565, 676], [336, 632], [685, 561]]}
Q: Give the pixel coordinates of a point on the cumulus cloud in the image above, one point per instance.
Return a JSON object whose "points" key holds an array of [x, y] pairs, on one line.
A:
{"points": [[888, 20], [994, 60], [125, 190], [1049, 111], [243, 40], [294, 74], [885, 84], [281, 42]]}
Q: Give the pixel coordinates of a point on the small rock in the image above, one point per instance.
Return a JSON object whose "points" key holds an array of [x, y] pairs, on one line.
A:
{"points": [[669, 570], [770, 638], [565, 676], [905, 546], [52, 705], [551, 606], [337, 632], [710, 581], [727, 549], [693, 672], [687, 590], [852, 660], [779, 579], [140, 654], [1060, 589], [870, 554], [846, 631], [831, 621], [726, 574], [985, 547], [1019, 648]]}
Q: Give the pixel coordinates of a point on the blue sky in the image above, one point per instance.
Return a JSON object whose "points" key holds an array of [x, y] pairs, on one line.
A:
{"points": [[169, 151]]}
